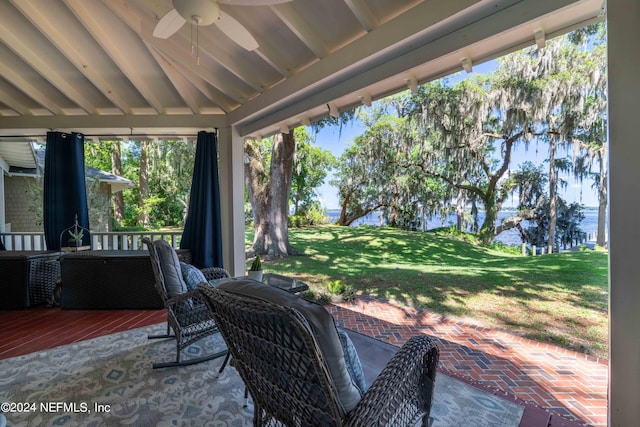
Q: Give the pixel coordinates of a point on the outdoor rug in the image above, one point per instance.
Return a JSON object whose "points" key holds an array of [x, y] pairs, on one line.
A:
{"points": [[109, 381]]}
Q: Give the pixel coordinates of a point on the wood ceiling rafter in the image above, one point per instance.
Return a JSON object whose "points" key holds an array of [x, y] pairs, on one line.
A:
{"points": [[111, 34], [15, 35], [296, 24], [15, 72], [202, 83], [82, 58], [363, 14], [177, 80], [10, 101], [176, 50]]}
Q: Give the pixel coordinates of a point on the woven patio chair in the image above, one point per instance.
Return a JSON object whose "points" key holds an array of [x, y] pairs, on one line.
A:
{"points": [[188, 318], [299, 372]]}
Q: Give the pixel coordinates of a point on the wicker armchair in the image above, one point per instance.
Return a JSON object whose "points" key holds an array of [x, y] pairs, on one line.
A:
{"points": [[278, 355], [188, 319]]}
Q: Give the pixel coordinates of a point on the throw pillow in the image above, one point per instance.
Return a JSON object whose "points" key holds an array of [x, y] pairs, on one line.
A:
{"points": [[191, 275], [354, 367], [170, 268]]}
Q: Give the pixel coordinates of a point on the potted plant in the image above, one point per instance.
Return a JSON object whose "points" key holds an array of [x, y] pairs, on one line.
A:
{"points": [[255, 270], [336, 289], [75, 238]]}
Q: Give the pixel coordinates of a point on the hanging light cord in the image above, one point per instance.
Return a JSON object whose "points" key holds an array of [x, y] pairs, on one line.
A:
{"points": [[195, 50]]}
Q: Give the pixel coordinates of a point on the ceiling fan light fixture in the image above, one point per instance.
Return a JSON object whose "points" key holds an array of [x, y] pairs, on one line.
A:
{"points": [[199, 12]]}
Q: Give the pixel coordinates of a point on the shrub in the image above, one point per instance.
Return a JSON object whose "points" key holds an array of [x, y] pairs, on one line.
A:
{"points": [[336, 287]]}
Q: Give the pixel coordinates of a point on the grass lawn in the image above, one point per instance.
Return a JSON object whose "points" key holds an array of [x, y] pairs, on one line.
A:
{"points": [[557, 298]]}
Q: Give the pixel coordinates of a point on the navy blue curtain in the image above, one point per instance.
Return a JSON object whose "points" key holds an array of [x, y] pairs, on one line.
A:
{"points": [[65, 190], [202, 230]]}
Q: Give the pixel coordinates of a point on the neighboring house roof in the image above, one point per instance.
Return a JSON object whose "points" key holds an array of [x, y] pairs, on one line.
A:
{"points": [[15, 155]]}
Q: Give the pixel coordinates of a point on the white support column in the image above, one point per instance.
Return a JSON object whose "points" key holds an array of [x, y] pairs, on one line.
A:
{"points": [[3, 217], [232, 198], [624, 202]]}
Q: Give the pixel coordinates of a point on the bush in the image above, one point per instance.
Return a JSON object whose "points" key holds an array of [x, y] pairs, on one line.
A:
{"points": [[453, 233], [319, 298], [509, 249], [336, 287]]}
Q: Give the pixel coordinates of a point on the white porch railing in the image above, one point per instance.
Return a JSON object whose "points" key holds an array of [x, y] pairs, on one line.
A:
{"points": [[121, 241]]}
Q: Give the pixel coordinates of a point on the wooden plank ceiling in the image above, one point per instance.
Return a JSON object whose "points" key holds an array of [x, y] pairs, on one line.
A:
{"points": [[95, 66]]}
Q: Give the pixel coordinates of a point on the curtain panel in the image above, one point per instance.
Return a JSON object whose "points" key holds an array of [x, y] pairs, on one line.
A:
{"points": [[65, 191], [202, 229]]}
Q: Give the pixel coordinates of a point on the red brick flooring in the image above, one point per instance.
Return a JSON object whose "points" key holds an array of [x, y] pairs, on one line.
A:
{"points": [[562, 382], [571, 388]]}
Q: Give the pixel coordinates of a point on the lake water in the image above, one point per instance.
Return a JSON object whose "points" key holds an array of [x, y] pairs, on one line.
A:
{"points": [[588, 225]]}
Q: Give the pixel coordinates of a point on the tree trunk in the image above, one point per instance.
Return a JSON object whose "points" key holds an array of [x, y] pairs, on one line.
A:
{"points": [[602, 205], [143, 184], [269, 197], [116, 169], [553, 185], [460, 205], [488, 229]]}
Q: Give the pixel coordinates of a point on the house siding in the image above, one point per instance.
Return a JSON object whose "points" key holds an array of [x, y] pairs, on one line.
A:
{"points": [[19, 198]]}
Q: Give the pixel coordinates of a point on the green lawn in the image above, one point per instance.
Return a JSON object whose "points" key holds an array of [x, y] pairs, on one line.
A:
{"points": [[557, 298]]}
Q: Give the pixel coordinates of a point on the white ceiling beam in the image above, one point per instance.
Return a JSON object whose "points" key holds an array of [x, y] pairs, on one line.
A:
{"points": [[76, 50], [11, 125], [363, 14], [377, 45], [112, 35], [176, 50], [191, 75], [177, 80], [296, 24], [272, 57], [12, 103], [182, 59], [14, 73], [29, 47], [178, 43], [404, 56]]}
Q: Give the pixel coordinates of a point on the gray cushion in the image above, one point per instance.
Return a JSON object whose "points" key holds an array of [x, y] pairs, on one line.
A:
{"points": [[322, 326], [191, 275], [170, 266], [354, 367]]}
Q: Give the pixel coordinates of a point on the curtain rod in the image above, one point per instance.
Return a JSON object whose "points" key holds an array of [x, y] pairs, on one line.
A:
{"points": [[119, 136]]}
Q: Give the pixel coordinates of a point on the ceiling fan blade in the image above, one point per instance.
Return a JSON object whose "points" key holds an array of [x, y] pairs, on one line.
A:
{"points": [[170, 23], [236, 32], [253, 2]]}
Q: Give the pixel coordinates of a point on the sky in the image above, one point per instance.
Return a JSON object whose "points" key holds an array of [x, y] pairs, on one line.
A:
{"points": [[336, 140]]}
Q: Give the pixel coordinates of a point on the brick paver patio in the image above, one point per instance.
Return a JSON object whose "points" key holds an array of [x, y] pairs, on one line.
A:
{"points": [[562, 382]]}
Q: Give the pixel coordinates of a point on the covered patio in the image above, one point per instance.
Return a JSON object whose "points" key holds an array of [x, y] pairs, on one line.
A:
{"points": [[95, 67], [554, 386]]}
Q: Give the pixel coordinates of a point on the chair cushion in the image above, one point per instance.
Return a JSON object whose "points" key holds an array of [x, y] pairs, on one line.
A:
{"points": [[191, 276], [354, 367], [170, 266], [322, 326]]}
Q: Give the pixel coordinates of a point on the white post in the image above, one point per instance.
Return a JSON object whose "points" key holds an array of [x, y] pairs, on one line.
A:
{"points": [[231, 174], [2, 196], [624, 202]]}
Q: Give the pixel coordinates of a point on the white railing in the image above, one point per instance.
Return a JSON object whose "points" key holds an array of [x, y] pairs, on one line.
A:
{"points": [[121, 241], [23, 241]]}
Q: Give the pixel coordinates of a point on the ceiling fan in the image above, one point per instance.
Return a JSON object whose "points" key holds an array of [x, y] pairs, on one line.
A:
{"points": [[207, 12]]}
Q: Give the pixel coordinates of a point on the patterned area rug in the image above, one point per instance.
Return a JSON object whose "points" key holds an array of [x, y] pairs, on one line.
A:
{"points": [[109, 381]]}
